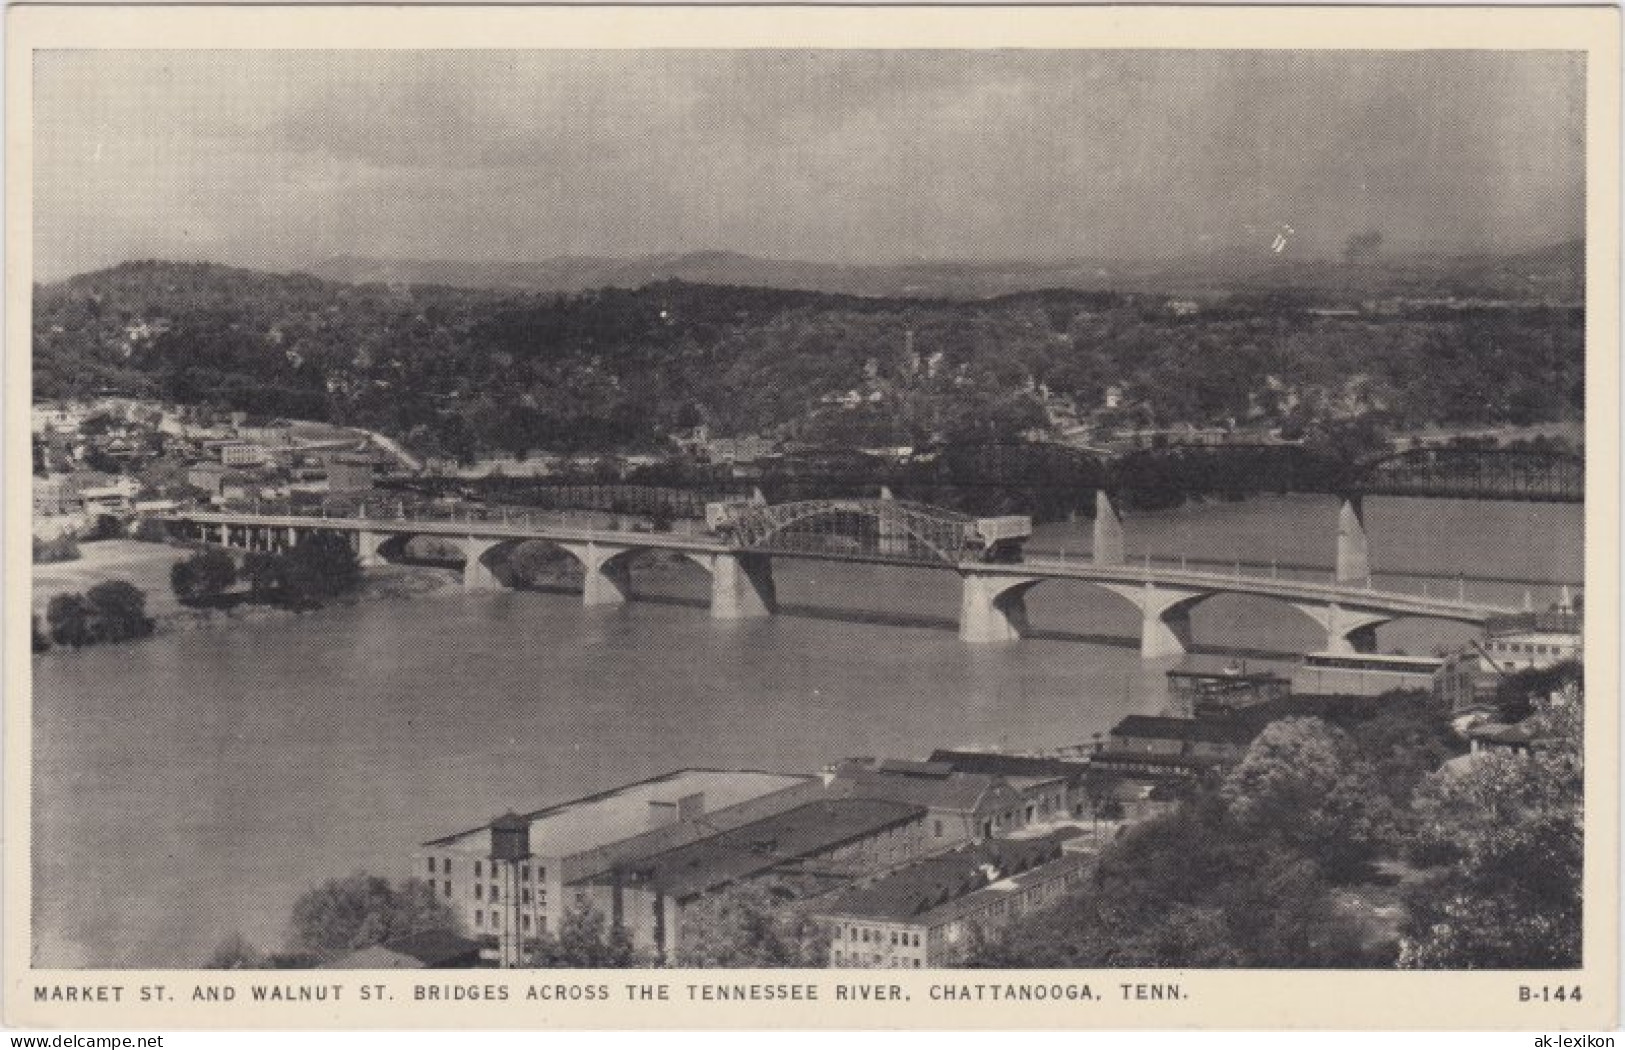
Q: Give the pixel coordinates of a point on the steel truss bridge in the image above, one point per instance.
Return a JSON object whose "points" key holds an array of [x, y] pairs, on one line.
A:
{"points": [[1043, 478], [886, 530], [1508, 474]]}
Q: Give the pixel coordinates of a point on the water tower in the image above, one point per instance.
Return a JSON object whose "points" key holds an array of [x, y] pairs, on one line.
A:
{"points": [[510, 847]]}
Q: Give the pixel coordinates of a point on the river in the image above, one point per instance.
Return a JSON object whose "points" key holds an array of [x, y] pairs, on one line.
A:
{"points": [[193, 784]]}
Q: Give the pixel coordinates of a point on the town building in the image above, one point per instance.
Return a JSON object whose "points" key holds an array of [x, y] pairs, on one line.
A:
{"points": [[1195, 692], [1362, 674], [961, 807], [1470, 678], [424, 950], [208, 476], [572, 844], [236, 453], [829, 841], [350, 473], [1156, 746], [55, 495], [1029, 774], [930, 913]]}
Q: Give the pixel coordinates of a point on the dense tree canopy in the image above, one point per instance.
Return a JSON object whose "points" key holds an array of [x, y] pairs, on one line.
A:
{"points": [[749, 926], [585, 939], [452, 370], [1273, 865], [207, 574], [341, 915], [1511, 827], [113, 611], [1303, 782]]}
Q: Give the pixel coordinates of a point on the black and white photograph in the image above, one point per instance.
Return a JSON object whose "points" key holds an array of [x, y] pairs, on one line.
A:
{"points": [[851, 509]]}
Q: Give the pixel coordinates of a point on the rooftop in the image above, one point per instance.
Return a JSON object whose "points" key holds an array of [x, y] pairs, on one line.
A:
{"points": [[609, 816], [1157, 727], [933, 785], [996, 763], [1110, 756], [1550, 621], [415, 951], [1501, 733], [765, 844], [922, 888]]}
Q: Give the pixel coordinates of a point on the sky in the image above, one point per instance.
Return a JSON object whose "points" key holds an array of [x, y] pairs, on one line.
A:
{"points": [[279, 158]]}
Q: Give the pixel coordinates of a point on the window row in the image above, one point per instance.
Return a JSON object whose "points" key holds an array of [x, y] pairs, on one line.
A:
{"points": [[870, 935], [494, 893], [860, 959], [442, 866], [526, 922]]}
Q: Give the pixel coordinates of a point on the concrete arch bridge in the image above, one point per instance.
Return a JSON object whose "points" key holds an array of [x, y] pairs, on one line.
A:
{"points": [[744, 537]]}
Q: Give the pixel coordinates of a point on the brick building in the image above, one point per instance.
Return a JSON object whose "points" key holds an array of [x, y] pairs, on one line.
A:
{"points": [[930, 913]]}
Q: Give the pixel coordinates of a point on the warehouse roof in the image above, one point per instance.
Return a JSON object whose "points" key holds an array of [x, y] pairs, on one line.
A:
{"points": [[751, 849], [609, 816], [927, 885]]}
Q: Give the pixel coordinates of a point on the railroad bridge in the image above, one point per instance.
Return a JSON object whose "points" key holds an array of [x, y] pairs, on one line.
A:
{"points": [[743, 538]]}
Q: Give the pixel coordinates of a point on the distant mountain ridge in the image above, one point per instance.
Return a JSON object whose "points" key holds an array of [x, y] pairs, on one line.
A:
{"points": [[1554, 273]]}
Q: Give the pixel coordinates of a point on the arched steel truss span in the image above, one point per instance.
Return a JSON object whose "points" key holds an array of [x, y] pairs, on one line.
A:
{"points": [[866, 530], [1525, 475]]}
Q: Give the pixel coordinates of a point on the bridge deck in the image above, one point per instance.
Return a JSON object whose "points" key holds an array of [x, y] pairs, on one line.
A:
{"points": [[1354, 598], [1346, 595], [462, 527]]}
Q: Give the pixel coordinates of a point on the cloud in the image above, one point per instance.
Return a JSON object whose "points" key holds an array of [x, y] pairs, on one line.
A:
{"points": [[850, 155]]}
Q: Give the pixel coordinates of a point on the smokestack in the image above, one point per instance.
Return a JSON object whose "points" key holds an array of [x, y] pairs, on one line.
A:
{"points": [[691, 806]]}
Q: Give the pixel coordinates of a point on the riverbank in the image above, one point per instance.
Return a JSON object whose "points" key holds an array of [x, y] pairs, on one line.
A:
{"points": [[385, 583], [147, 566]]}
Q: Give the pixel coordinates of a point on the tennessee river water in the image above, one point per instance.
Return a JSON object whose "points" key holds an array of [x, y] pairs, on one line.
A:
{"points": [[193, 784]]}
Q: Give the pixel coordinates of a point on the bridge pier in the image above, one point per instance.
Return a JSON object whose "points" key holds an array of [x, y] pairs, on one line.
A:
{"points": [[1107, 548], [742, 586], [606, 578], [1164, 631], [1165, 617], [367, 548], [477, 576], [1353, 544], [1348, 631], [992, 609]]}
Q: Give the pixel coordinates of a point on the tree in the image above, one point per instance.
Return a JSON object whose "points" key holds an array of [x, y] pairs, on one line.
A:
{"points": [[754, 925], [1511, 830], [119, 611], [61, 548], [1303, 783], [41, 640], [234, 953], [1194, 888], [151, 530], [341, 915], [320, 566], [204, 576], [585, 940], [70, 618], [264, 572]]}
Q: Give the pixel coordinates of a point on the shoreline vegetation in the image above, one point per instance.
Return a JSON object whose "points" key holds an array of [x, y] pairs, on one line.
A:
{"points": [[532, 569]]}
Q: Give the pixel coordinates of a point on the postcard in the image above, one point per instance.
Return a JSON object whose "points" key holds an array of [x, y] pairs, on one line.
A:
{"points": [[812, 517]]}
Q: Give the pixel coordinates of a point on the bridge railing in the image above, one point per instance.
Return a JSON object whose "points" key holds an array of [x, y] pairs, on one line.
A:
{"points": [[1457, 588]]}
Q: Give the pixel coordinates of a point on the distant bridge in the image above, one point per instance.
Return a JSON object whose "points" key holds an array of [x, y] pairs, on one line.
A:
{"points": [[986, 553], [1031, 476], [1458, 473]]}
